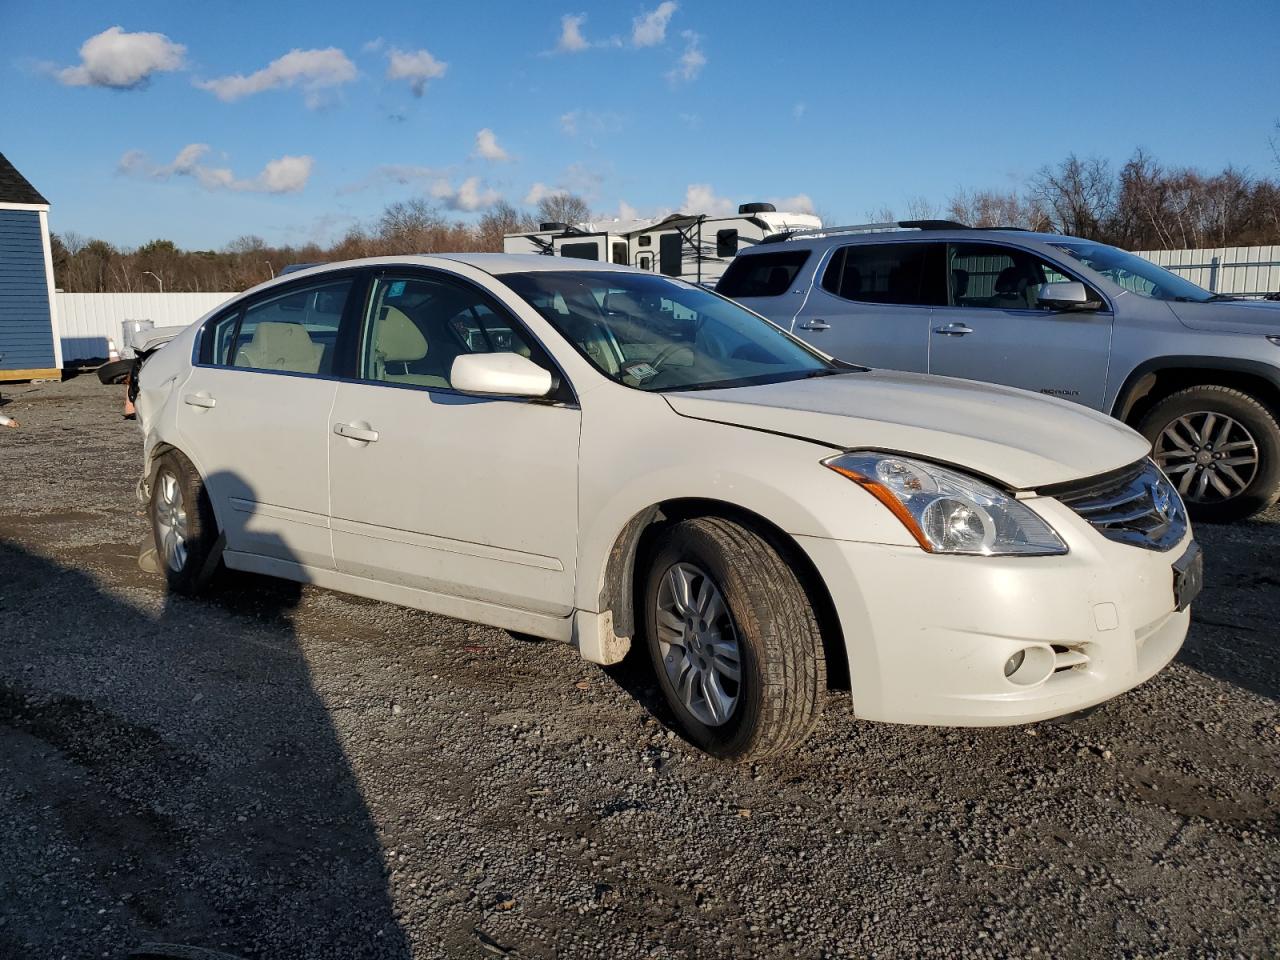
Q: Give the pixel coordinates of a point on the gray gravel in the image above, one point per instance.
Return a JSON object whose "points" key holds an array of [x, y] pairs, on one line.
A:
{"points": [[288, 773]]}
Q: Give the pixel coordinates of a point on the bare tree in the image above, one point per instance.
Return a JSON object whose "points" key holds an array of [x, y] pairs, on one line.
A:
{"points": [[563, 207], [1078, 195]]}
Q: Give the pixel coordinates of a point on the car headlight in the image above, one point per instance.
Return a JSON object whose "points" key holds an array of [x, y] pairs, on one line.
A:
{"points": [[947, 511]]}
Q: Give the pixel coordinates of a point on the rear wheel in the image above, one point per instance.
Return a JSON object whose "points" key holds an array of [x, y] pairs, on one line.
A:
{"points": [[1220, 447], [182, 522], [734, 640]]}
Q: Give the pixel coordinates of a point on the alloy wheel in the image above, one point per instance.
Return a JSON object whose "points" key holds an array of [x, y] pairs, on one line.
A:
{"points": [[699, 644], [171, 521], [1210, 457]]}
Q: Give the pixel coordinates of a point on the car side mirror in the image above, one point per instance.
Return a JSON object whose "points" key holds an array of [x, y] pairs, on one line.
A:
{"points": [[1071, 295], [500, 375]]}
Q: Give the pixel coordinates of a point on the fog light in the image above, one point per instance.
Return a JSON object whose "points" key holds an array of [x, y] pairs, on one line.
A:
{"points": [[1013, 663], [1031, 665]]}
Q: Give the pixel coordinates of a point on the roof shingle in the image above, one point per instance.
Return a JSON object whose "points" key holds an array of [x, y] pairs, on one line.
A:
{"points": [[14, 187]]}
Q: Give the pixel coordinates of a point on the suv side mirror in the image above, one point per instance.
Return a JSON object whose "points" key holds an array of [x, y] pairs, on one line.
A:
{"points": [[500, 375], [1071, 295]]}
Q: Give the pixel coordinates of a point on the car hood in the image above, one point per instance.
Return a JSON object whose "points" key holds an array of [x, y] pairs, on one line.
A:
{"points": [[1230, 316], [1021, 439]]}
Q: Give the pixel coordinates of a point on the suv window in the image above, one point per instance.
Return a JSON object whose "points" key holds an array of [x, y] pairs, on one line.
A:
{"points": [[906, 274], [999, 277], [762, 274], [417, 326], [291, 332]]}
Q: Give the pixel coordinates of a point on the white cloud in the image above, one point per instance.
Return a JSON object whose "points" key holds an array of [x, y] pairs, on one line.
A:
{"points": [[627, 212], [312, 70], [590, 123], [122, 60], [540, 191], [571, 38], [700, 198], [417, 66], [799, 110], [487, 147], [691, 61], [373, 46], [470, 195], [800, 203], [286, 174], [569, 122], [650, 29]]}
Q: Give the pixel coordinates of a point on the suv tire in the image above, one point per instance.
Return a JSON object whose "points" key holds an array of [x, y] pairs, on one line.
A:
{"points": [[742, 612], [188, 546], [1250, 472]]}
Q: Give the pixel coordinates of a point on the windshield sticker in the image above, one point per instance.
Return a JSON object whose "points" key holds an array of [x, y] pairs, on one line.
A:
{"points": [[640, 370]]}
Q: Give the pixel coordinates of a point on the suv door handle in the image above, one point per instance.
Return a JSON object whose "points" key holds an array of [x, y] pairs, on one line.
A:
{"points": [[352, 432], [815, 325], [200, 400], [954, 329]]}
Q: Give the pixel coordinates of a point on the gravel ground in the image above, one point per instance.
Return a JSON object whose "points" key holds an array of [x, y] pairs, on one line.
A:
{"points": [[282, 772]]}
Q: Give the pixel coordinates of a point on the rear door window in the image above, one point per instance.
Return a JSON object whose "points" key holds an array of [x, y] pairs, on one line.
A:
{"points": [[905, 274], [762, 274]]}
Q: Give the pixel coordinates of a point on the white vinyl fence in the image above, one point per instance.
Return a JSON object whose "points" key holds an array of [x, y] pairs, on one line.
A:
{"points": [[1243, 271], [87, 320]]}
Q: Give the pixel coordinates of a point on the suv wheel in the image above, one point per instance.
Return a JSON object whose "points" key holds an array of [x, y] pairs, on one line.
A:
{"points": [[1221, 449], [182, 522], [734, 641]]}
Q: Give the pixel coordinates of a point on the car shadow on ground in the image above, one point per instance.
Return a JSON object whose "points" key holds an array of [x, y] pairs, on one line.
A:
{"points": [[172, 775], [1235, 623]]}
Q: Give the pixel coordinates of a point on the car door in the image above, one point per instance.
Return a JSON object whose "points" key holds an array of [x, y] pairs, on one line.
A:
{"points": [[472, 497], [254, 412], [993, 330], [873, 304]]}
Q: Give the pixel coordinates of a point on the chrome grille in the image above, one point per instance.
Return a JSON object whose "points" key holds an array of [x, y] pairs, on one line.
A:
{"points": [[1136, 505]]}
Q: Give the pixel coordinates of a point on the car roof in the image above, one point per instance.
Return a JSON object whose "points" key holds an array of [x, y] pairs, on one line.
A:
{"points": [[970, 234]]}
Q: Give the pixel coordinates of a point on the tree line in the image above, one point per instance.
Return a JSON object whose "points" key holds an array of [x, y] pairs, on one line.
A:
{"points": [[1142, 205]]}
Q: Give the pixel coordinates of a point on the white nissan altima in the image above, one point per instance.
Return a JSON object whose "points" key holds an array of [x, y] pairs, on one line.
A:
{"points": [[601, 456]]}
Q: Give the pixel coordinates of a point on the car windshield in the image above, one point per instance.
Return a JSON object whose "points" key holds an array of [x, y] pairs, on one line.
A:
{"points": [[1135, 274], [652, 333]]}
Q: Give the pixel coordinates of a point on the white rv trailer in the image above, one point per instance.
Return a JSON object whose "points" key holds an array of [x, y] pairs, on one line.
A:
{"points": [[696, 247]]}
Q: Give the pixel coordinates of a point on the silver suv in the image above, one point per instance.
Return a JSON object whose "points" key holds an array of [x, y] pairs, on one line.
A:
{"points": [[1198, 374]]}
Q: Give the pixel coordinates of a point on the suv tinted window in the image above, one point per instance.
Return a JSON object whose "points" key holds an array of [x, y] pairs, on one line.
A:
{"points": [[907, 274], [762, 275], [999, 277]]}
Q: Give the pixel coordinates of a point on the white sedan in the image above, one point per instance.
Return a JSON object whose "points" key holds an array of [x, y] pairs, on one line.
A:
{"points": [[600, 456]]}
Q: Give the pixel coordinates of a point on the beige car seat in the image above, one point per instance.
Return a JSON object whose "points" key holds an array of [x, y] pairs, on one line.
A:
{"points": [[281, 346], [398, 342]]}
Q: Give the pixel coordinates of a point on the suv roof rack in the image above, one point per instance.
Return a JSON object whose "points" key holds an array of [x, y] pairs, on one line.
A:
{"points": [[854, 228]]}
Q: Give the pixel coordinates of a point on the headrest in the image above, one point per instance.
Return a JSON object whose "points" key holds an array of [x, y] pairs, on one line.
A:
{"points": [[959, 282], [1010, 280], [398, 339], [281, 346]]}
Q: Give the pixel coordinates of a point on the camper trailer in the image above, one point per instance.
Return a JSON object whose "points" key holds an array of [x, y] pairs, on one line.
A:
{"points": [[696, 247]]}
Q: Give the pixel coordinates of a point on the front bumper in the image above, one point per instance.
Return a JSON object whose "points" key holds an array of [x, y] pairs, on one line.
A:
{"points": [[928, 636]]}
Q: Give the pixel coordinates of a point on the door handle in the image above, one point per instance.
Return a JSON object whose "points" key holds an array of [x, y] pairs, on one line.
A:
{"points": [[352, 432], [200, 400], [953, 330], [815, 325]]}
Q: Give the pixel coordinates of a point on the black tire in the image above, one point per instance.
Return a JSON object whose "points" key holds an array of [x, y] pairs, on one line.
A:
{"points": [[1263, 488], [782, 664], [201, 556]]}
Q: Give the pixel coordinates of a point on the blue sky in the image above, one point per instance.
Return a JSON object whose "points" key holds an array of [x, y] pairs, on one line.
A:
{"points": [[216, 128]]}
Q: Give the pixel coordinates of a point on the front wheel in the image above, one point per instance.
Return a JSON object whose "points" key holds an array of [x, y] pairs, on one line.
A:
{"points": [[182, 522], [734, 640], [1220, 447]]}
